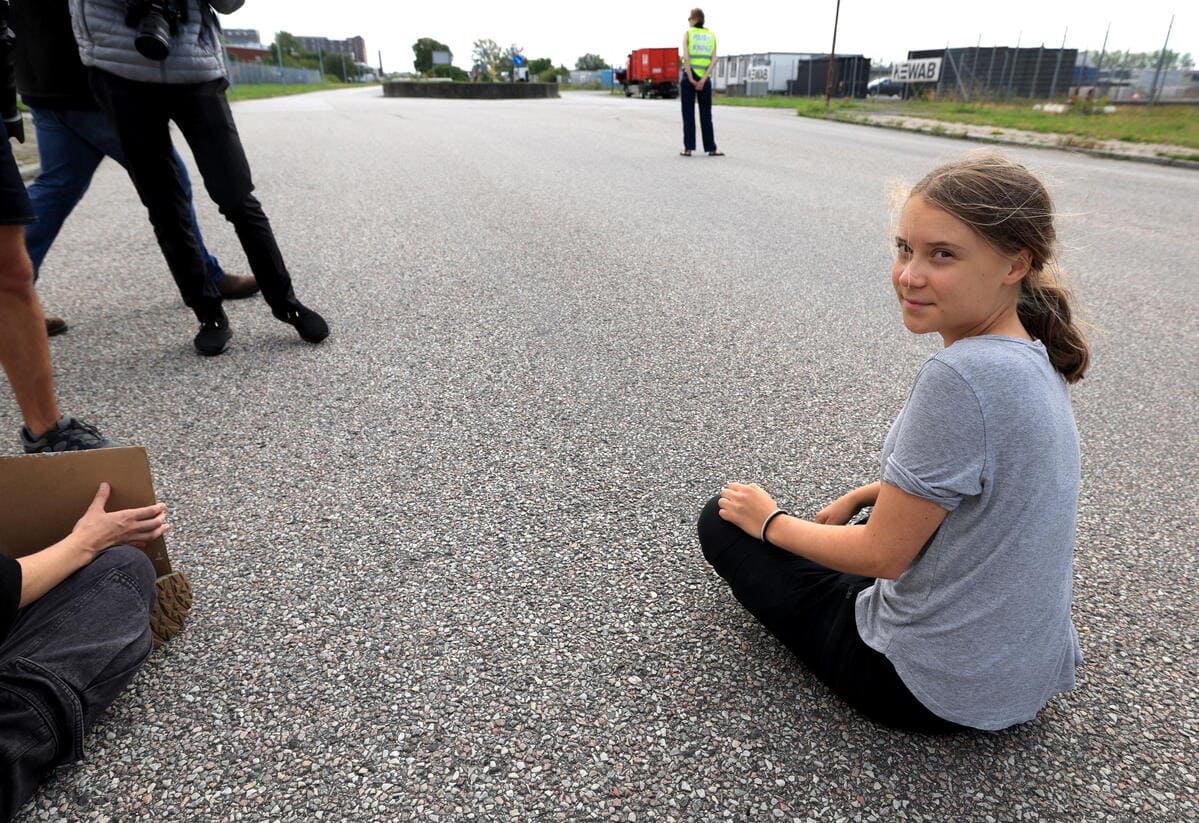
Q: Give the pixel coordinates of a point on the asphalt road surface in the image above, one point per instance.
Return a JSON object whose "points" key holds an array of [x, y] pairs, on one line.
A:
{"points": [[445, 563]]}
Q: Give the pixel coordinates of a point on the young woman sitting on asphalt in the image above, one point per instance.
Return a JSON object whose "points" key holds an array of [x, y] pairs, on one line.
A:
{"points": [[950, 606]]}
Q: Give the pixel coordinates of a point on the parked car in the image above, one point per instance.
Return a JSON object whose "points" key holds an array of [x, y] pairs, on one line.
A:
{"points": [[884, 87]]}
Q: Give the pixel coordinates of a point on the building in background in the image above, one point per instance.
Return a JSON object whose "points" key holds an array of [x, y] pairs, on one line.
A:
{"points": [[245, 46], [787, 72], [1136, 85], [353, 46], [241, 37]]}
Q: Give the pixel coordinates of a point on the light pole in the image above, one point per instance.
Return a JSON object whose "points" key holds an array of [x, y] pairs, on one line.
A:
{"points": [[279, 54], [832, 57]]}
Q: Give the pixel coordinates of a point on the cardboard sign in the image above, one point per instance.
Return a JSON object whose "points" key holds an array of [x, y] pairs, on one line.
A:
{"points": [[43, 495]]}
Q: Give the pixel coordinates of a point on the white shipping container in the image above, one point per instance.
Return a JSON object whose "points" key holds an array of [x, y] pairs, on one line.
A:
{"points": [[758, 74]]}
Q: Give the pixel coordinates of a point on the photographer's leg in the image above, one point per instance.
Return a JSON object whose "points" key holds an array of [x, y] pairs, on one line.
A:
{"points": [[203, 114], [93, 132], [140, 115]]}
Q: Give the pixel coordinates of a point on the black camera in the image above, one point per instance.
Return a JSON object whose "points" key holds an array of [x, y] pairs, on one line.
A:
{"points": [[156, 21]]}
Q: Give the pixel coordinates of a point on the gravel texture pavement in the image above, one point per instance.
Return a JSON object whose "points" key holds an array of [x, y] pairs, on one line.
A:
{"points": [[445, 563]]}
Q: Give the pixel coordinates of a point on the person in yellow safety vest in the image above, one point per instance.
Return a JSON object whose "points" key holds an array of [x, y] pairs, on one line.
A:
{"points": [[699, 54]]}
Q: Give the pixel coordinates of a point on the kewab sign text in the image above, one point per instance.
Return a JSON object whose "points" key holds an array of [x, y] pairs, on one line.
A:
{"points": [[926, 70]]}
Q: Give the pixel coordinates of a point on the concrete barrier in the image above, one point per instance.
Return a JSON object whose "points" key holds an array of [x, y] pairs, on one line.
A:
{"points": [[471, 91]]}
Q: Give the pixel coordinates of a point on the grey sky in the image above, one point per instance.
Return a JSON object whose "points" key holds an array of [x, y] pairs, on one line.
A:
{"points": [[880, 30]]}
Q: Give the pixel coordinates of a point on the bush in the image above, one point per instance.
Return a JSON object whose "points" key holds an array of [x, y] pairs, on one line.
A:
{"points": [[453, 72]]}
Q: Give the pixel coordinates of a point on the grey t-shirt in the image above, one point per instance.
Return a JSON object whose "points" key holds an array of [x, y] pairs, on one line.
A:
{"points": [[978, 627]]}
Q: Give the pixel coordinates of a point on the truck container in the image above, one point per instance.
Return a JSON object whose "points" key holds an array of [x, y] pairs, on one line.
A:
{"points": [[651, 72]]}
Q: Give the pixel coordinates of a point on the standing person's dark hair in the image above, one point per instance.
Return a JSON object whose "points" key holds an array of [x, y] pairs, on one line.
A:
{"points": [[695, 84]]}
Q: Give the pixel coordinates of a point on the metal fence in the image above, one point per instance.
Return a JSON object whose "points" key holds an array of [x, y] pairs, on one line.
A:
{"points": [[1000, 71], [246, 74], [851, 73]]}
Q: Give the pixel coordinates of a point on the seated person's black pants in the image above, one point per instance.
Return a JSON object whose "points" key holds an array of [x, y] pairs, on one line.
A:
{"points": [[810, 608]]}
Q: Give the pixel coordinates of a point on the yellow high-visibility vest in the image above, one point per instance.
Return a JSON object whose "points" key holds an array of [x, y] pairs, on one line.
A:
{"points": [[701, 45]]}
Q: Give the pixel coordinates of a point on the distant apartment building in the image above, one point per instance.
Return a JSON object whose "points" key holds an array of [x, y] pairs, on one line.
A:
{"points": [[245, 45], [354, 46], [241, 37]]}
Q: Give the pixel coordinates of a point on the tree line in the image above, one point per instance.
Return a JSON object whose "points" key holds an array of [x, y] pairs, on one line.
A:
{"points": [[339, 64], [1144, 60], [491, 61]]}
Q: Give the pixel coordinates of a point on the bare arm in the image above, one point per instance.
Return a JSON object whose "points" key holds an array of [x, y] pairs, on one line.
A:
{"points": [[686, 60], [96, 531], [899, 527], [708, 73], [843, 509]]}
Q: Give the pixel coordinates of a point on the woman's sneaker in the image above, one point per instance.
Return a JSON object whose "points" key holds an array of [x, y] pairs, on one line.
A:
{"points": [[68, 435], [172, 606]]}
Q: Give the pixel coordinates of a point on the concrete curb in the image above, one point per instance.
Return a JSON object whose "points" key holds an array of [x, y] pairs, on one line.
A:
{"points": [[1109, 155]]}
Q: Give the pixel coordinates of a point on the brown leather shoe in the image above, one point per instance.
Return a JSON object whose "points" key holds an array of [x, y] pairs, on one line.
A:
{"points": [[55, 325], [237, 286]]}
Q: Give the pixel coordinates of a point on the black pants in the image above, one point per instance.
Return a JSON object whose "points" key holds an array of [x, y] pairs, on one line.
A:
{"points": [[810, 608], [690, 97], [69, 654], [141, 114]]}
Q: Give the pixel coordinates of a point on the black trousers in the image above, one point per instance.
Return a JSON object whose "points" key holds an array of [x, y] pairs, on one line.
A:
{"points": [[810, 608], [689, 97], [141, 114], [69, 654]]}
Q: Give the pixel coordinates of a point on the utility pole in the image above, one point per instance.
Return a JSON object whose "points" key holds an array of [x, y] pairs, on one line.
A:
{"points": [[1160, 62], [279, 54], [832, 58], [1102, 54], [1015, 59], [1058, 64]]}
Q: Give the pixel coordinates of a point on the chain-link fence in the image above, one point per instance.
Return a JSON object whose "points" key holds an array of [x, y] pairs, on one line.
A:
{"points": [[245, 74]]}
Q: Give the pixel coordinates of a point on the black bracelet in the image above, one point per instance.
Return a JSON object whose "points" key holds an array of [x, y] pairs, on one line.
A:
{"points": [[766, 525]]}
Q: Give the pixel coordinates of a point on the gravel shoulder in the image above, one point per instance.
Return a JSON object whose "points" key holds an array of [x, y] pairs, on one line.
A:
{"points": [[1162, 154]]}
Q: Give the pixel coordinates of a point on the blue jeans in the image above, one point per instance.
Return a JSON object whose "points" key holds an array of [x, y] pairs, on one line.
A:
{"points": [[71, 145], [69, 654]]}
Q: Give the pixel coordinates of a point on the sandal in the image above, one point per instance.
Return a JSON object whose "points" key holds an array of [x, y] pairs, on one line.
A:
{"points": [[685, 153]]}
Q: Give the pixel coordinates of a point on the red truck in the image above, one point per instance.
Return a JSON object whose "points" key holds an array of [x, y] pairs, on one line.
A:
{"points": [[653, 72]]}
